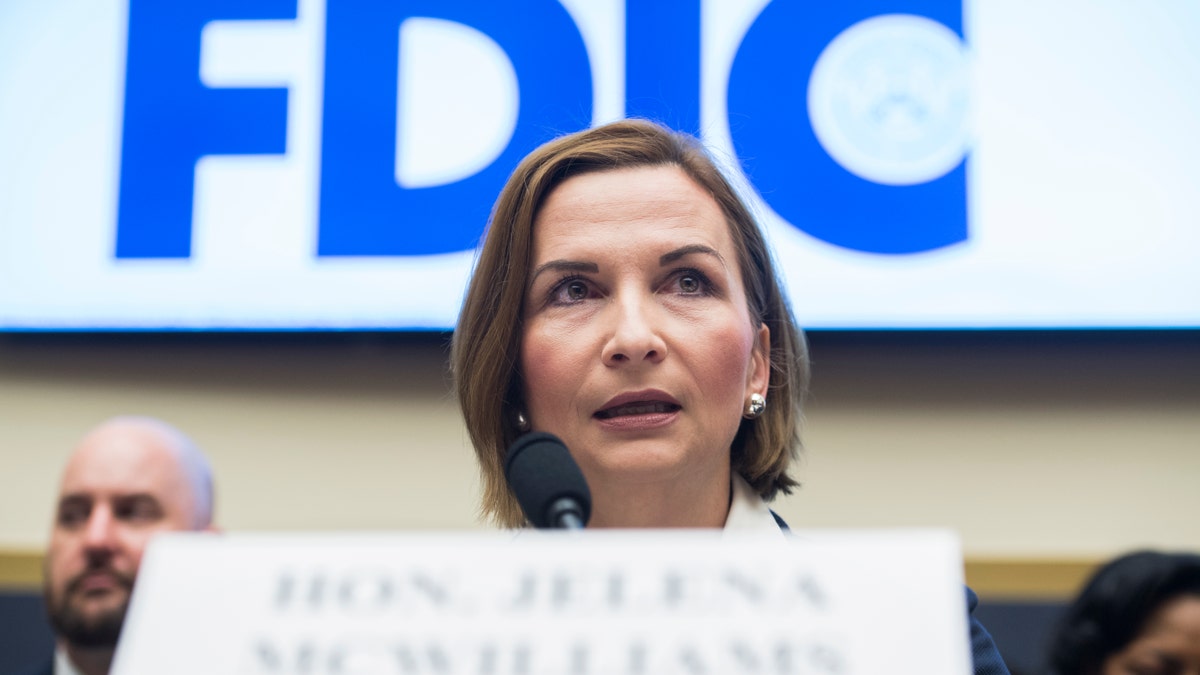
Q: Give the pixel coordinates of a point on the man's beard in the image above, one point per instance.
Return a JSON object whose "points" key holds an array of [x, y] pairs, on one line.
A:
{"points": [[88, 630]]}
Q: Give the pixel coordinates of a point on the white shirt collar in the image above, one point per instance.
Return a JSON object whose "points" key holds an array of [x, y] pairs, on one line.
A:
{"points": [[748, 513]]}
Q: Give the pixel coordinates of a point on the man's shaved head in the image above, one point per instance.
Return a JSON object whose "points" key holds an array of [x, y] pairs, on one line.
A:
{"points": [[127, 480]]}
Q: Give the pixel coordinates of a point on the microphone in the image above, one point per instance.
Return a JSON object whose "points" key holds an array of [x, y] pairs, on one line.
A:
{"points": [[547, 482]]}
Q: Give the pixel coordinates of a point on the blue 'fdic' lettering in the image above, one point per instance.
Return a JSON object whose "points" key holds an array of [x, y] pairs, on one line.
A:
{"points": [[662, 62], [172, 119], [363, 211]]}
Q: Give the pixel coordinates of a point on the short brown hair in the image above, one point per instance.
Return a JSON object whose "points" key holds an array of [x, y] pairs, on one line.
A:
{"points": [[486, 344]]}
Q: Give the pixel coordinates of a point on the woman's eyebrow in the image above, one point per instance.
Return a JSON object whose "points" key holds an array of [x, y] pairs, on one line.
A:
{"points": [[683, 251], [564, 266]]}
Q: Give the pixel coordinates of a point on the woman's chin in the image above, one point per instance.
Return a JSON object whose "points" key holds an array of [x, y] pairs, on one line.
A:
{"points": [[638, 472], [641, 469]]}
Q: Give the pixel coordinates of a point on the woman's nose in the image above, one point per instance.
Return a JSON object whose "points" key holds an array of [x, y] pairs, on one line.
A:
{"points": [[635, 335]]}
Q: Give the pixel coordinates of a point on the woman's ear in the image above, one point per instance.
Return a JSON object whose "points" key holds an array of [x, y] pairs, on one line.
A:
{"points": [[760, 363]]}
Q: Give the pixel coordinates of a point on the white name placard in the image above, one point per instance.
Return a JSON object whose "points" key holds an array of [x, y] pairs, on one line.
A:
{"points": [[652, 602]]}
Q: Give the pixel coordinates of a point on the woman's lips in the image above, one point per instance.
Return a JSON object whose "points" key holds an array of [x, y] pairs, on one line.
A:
{"points": [[644, 402], [639, 410], [639, 422]]}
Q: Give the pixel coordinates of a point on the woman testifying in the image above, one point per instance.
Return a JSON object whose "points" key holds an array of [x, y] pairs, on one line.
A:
{"points": [[624, 300]]}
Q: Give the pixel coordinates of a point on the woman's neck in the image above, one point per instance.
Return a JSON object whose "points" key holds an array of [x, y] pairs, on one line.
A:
{"points": [[687, 501]]}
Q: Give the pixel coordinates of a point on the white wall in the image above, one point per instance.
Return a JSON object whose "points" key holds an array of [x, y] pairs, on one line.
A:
{"points": [[1032, 446]]}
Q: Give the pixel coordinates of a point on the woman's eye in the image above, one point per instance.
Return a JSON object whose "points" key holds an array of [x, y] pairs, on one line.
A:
{"points": [[691, 282], [576, 290], [570, 291]]}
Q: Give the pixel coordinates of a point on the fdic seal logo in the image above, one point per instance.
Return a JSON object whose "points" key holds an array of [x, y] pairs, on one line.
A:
{"points": [[888, 99], [863, 141]]}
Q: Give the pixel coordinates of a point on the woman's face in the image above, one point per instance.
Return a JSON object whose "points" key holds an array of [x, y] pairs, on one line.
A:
{"points": [[1169, 644], [638, 348]]}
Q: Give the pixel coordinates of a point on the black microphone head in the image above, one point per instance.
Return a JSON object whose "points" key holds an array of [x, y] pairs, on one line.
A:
{"points": [[540, 472]]}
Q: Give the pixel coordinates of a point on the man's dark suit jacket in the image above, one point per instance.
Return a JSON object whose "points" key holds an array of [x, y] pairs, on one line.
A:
{"points": [[46, 668]]}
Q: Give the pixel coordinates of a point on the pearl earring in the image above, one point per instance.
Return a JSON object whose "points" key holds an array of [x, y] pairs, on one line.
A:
{"points": [[522, 422], [755, 406]]}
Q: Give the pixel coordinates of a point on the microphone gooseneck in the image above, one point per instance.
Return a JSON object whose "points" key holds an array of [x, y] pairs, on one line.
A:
{"points": [[547, 482]]}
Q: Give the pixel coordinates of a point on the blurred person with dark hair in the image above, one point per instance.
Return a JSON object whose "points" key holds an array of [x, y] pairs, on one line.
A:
{"points": [[129, 479], [1138, 615]]}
